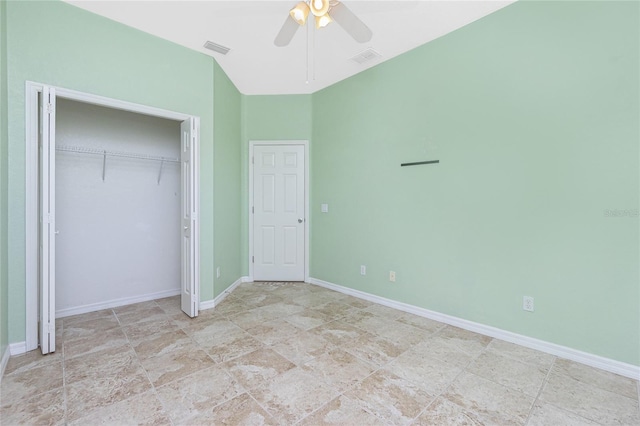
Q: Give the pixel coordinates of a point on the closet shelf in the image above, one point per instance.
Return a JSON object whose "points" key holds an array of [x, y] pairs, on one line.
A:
{"points": [[83, 150]]}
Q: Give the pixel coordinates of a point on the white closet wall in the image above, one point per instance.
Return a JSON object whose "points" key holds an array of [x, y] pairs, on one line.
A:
{"points": [[119, 239]]}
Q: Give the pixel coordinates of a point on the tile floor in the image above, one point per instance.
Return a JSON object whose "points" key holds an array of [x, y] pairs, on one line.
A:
{"points": [[294, 353]]}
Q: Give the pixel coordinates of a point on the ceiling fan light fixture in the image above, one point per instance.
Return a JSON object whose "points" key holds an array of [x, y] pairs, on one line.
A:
{"points": [[319, 7], [300, 12], [323, 21]]}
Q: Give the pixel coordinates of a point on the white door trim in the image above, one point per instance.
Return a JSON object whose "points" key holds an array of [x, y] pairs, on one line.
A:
{"points": [[307, 218], [32, 89]]}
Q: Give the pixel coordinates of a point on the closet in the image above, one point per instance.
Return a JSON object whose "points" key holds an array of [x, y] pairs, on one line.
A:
{"points": [[112, 207], [117, 191]]}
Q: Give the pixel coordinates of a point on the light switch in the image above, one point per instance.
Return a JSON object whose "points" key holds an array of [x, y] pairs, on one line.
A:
{"points": [[324, 208]]}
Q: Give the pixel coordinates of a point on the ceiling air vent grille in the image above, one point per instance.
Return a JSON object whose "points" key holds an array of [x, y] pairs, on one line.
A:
{"points": [[216, 47], [366, 56]]}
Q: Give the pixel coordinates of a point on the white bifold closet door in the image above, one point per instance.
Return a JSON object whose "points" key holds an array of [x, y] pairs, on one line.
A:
{"points": [[188, 156], [190, 283], [47, 234]]}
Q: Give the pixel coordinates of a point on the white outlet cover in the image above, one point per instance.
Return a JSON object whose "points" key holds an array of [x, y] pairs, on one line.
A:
{"points": [[527, 303], [324, 208], [363, 270]]}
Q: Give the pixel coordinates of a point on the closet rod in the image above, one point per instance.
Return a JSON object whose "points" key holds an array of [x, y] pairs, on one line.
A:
{"points": [[83, 150]]}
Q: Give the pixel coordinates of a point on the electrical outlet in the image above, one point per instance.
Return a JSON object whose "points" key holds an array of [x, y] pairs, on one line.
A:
{"points": [[527, 303], [363, 270], [392, 276], [218, 272]]}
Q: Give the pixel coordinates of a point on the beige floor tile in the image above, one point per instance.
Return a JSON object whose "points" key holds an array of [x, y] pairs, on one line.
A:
{"points": [[431, 374], [89, 316], [392, 399], [141, 331], [588, 401], [526, 378], [42, 409], [171, 305], [293, 395], [335, 309], [599, 378], [302, 347], [231, 345], [89, 328], [420, 322], [231, 305], [384, 311], [341, 411], [444, 349], [338, 368], [143, 409], [162, 343], [308, 319], [171, 366], [520, 353], [375, 349], [189, 397], [444, 412], [150, 314], [257, 300], [135, 307], [241, 410], [258, 367], [88, 395], [356, 302], [253, 317], [30, 360], [115, 363], [546, 414], [317, 298], [26, 384], [337, 332], [490, 400], [273, 331], [95, 343], [467, 341]]}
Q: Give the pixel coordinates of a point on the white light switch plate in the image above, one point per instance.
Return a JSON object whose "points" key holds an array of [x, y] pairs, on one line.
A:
{"points": [[324, 208]]}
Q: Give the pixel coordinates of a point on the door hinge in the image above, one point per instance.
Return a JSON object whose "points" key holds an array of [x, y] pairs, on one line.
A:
{"points": [[253, 260], [49, 108], [252, 209], [51, 329]]}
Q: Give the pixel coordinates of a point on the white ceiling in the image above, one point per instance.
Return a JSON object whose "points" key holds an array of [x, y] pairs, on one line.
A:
{"points": [[256, 66]]}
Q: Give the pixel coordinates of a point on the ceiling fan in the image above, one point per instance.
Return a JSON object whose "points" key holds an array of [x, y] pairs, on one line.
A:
{"points": [[325, 12]]}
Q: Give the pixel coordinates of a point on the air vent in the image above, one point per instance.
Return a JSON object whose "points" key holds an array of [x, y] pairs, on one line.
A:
{"points": [[216, 47], [366, 56]]}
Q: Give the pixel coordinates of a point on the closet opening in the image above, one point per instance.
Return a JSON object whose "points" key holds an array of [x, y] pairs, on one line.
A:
{"points": [[112, 207]]}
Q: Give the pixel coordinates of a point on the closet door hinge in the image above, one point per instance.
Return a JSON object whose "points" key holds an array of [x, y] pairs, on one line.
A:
{"points": [[49, 108], [253, 259], [252, 209]]}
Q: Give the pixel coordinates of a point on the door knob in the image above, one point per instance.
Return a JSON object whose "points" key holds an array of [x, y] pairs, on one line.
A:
{"points": [[300, 220]]}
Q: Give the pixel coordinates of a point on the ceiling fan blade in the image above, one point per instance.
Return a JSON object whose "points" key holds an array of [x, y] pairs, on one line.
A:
{"points": [[350, 23], [287, 32]]}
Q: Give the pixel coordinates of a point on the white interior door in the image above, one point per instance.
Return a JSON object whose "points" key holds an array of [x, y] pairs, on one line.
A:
{"points": [[189, 277], [47, 249], [279, 213]]}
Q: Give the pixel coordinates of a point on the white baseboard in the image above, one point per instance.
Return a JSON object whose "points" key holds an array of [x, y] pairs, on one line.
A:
{"points": [[246, 279], [617, 367], [207, 304], [4, 361], [229, 289], [115, 303], [18, 348]]}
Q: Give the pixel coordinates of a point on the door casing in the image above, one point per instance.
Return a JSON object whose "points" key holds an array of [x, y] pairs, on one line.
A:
{"points": [[33, 89], [307, 219]]}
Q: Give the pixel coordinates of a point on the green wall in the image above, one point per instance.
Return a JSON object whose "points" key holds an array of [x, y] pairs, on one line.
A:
{"points": [[4, 140], [227, 131], [268, 117], [61, 45], [533, 113]]}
